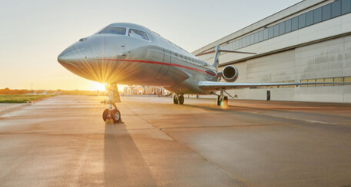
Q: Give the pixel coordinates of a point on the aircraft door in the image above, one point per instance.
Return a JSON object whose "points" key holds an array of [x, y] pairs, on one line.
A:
{"points": [[165, 66]]}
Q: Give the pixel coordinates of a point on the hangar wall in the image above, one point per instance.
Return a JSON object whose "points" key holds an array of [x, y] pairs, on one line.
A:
{"points": [[317, 53], [325, 60]]}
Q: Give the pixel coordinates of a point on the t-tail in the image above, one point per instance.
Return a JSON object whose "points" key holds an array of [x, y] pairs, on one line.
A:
{"points": [[217, 52], [215, 59]]}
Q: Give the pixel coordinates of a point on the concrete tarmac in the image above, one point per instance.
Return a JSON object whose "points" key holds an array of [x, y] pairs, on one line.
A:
{"points": [[63, 141]]}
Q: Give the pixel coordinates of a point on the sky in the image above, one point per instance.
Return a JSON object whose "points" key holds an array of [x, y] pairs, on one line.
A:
{"points": [[34, 32]]}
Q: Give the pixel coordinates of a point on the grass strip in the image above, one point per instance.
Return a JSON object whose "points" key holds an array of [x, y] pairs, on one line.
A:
{"points": [[21, 98]]}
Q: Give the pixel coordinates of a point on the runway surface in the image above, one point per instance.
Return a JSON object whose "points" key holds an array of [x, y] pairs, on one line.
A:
{"points": [[62, 141]]}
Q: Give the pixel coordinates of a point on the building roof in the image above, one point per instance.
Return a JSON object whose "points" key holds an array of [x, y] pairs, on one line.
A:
{"points": [[283, 14]]}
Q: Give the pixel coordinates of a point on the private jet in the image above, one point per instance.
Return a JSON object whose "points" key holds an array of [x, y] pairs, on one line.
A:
{"points": [[130, 54]]}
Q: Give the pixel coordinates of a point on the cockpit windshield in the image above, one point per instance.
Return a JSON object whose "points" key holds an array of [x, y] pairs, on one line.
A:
{"points": [[114, 30], [138, 34]]}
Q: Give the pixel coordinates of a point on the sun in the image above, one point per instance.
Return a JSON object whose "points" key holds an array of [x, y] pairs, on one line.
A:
{"points": [[98, 86]]}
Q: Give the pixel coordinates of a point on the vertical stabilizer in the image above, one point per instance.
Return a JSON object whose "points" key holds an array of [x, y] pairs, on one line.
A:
{"points": [[215, 59], [217, 51]]}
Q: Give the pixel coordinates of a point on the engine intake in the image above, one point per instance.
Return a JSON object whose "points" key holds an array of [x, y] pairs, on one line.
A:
{"points": [[230, 73]]}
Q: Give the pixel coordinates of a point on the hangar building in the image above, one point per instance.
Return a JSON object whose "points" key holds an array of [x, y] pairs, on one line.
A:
{"points": [[307, 42]]}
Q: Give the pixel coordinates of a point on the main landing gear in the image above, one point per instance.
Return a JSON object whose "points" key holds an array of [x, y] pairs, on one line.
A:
{"points": [[112, 112], [222, 100], [178, 99]]}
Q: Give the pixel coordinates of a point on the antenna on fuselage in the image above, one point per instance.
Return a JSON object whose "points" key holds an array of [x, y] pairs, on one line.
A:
{"points": [[217, 52]]}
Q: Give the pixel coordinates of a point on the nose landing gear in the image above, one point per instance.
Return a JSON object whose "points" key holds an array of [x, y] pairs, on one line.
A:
{"points": [[112, 113]]}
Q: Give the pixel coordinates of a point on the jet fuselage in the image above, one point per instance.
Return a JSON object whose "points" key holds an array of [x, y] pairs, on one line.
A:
{"points": [[130, 54]]}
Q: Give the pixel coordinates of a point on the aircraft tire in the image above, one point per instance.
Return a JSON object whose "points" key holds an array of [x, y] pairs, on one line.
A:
{"points": [[116, 115], [225, 100], [175, 100], [104, 114], [218, 100], [181, 99]]}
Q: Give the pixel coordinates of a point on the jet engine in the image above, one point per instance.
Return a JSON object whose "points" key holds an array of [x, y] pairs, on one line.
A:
{"points": [[230, 73]]}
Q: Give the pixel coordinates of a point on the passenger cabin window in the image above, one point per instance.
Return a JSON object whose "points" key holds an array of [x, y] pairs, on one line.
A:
{"points": [[114, 30], [138, 34]]}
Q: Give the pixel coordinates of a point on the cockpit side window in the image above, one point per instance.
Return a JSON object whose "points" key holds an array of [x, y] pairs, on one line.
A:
{"points": [[114, 30], [138, 34]]}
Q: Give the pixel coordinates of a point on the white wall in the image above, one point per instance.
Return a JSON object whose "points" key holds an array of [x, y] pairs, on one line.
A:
{"points": [[322, 60]]}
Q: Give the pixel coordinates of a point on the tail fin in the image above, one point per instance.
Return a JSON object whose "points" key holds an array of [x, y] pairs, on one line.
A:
{"points": [[217, 51], [215, 59]]}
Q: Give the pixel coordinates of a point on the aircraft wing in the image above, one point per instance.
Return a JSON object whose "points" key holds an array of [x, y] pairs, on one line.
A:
{"points": [[213, 86]]}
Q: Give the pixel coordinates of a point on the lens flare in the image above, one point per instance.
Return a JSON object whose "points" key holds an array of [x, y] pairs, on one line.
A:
{"points": [[224, 104], [98, 86]]}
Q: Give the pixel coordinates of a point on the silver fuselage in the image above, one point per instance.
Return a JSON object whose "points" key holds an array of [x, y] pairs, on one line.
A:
{"points": [[123, 59]]}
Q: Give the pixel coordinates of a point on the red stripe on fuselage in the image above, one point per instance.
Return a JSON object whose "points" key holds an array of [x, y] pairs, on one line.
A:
{"points": [[162, 63]]}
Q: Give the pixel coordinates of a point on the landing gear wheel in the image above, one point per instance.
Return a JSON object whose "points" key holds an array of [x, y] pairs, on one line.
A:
{"points": [[224, 102], [226, 98], [181, 99], [112, 113], [116, 115], [105, 114], [219, 100], [175, 99]]}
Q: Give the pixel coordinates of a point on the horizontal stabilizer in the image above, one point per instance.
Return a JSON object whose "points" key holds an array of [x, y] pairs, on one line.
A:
{"points": [[225, 51]]}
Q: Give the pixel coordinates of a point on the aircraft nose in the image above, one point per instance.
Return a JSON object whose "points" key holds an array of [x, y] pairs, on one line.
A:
{"points": [[93, 58], [61, 58], [73, 60], [69, 56]]}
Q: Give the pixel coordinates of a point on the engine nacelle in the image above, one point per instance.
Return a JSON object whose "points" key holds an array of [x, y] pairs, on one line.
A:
{"points": [[230, 73]]}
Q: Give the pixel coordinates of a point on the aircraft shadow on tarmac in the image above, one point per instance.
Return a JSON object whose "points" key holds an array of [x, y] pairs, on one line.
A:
{"points": [[123, 162], [212, 107]]}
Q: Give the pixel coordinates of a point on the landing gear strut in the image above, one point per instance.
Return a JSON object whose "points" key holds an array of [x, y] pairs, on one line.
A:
{"points": [[221, 99], [112, 112], [178, 99]]}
